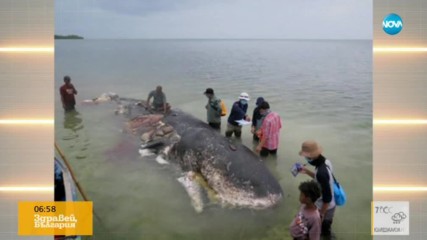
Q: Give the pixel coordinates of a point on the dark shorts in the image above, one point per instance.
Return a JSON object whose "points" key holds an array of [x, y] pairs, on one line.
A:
{"points": [[327, 222], [215, 125], [236, 129], [69, 107], [256, 138], [264, 152]]}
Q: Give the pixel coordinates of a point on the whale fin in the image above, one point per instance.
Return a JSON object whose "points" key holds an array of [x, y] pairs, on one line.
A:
{"points": [[194, 191]]}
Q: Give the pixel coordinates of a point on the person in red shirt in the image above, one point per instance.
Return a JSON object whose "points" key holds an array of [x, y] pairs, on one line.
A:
{"points": [[67, 92], [269, 131]]}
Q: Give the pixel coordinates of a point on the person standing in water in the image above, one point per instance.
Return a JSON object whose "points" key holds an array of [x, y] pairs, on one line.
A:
{"points": [[213, 109], [269, 131], [306, 224], [238, 112], [256, 119], [312, 152], [67, 92]]}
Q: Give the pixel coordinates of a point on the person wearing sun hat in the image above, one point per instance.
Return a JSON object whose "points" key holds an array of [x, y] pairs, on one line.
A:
{"points": [[312, 152], [238, 112]]}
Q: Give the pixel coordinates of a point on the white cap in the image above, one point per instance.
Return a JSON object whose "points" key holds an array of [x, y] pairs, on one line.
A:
{"points": [[244, 96]]}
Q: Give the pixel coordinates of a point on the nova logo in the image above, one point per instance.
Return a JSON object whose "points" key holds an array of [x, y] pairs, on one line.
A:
{"points": [[392, 24]]}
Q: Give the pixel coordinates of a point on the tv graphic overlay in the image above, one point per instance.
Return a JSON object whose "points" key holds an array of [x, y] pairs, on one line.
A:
{"points": [[400, 42], [390, 218], [392, 24], [55, 218]]}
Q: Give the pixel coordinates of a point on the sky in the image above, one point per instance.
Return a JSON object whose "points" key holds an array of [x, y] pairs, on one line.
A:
{"points": [[215, 19]]}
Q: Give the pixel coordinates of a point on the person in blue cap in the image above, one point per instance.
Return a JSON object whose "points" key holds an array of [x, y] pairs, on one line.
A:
{"points": [[256, 119]]}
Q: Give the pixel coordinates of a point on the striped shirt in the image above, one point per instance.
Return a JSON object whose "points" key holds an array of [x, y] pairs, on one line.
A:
{"points": [[270, 128]]}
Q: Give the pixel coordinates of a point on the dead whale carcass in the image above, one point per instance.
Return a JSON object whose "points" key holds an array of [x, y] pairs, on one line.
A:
{"points": [[237, 176]]}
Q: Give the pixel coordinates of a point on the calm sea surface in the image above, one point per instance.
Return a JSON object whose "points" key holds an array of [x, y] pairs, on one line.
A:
{"points": [[321, 89]]}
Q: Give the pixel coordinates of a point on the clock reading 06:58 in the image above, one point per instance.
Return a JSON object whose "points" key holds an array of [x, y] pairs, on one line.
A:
{"points": [[44, 208]]}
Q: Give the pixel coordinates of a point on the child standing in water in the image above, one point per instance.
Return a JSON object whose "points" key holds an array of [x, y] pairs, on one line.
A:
{"points": [[307, 223]]}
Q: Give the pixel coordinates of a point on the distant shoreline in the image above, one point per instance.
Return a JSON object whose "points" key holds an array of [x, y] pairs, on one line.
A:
{"points": [[68, 37]]}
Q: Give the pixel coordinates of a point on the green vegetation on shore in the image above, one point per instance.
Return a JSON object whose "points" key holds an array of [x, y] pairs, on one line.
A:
{"points": [[68, 37]]}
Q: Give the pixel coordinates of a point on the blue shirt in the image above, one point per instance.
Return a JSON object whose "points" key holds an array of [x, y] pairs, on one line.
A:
{"points": [[238, 112]]}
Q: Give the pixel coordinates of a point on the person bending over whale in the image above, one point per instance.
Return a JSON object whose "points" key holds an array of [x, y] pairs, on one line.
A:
{"points": [[159, 100]]}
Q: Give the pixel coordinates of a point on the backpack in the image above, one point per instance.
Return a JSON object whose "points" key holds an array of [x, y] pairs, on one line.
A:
{"points": [[223, 108], [339, 193]]}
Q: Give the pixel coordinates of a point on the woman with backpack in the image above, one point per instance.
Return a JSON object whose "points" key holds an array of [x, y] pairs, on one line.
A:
{"points": [[312, 152]]}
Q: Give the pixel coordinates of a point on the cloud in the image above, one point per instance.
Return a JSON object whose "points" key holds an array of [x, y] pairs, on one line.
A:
{"points": [[215, 19], [142, 8], [398, 216], [130, 7]]}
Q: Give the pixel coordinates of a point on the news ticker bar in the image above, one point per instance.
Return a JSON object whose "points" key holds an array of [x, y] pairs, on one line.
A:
{"points": [[76, 218]]}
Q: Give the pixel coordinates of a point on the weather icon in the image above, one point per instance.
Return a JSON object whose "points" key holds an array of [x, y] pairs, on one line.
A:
{"points": [[398, 217]]}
